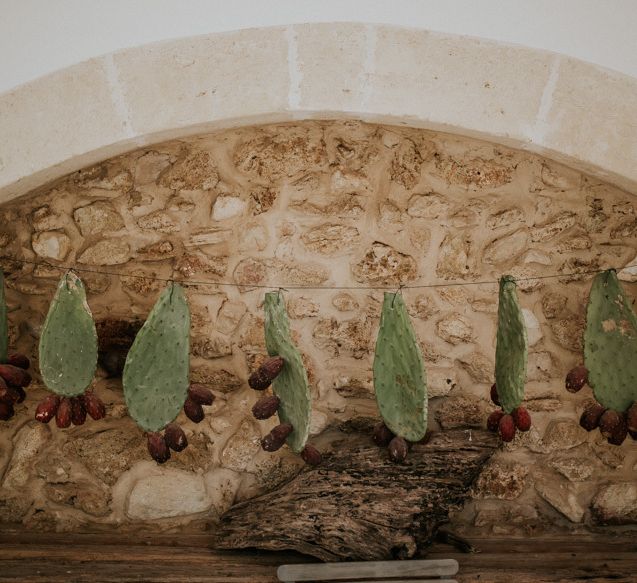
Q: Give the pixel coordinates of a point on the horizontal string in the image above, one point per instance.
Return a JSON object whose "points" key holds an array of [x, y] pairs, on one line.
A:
{"points": [[304, 287]]}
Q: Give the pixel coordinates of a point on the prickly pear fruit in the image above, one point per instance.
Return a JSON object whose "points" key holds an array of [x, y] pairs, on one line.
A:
{"points": [[382, 435], [494, 394], [311, 455], [6, 411], [265, 407], [8, 394], [63, 414], [193, 410], [47, 408], [494, 420], [506, 428], [521, 418], [619, 435], [576, 378], [158, 448], [78, 412], [589, 419], [262, 378], [633, 434], [276, 438], [631, 417], [19, 360], [201, 394], [93, 405], [175, 437], [609, 423], [15, 376], [398, 449]]}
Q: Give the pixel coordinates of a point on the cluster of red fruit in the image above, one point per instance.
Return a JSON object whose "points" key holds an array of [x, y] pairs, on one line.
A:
{"points": [[267, 407], [13, 379], [507, 425], [398, 447], [174, 438], [613, 425], [67, 410]]}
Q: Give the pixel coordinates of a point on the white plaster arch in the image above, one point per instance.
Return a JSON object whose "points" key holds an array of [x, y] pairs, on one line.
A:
{"points": [[574, 112]]}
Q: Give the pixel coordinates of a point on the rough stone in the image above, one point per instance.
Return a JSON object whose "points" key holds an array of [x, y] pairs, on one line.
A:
{"points": [[406, 164], [217, 379], [27, 444], [462, 411], [533, 328], [562, 496], [157, 251], [501, 480], [384, 265], [428, 206], [344, 302], [211, 347], [554, 227], [90, 496], [473, 173], [351, 337], [563, 434], [252, 271], [192, 171], [97, 218], [575, 468], [142, 282], [106, 252], [479, 367], [191, 264], [455, 329], [241, 447], [505, 218], [302, 308], [455, 257], [228, 207], [506, 248], [159, 221], [331, 239], [553, 304], [440, 381], [568, 332], [615, 503]]}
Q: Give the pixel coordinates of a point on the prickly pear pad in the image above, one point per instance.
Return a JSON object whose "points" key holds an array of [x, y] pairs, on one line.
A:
{"points": [[291, 384], [68, 343], [610, 343], [155, 375], [399, 375], [511, 348], [4, 325]]}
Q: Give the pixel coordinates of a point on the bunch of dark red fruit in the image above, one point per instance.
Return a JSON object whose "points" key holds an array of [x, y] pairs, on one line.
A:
{"points": [[174, 437], [504, 424], [398, 447], [268, 405], [613, 425], [13, 380], [70, 410]]}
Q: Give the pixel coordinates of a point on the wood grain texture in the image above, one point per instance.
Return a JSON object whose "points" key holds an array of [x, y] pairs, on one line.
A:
{"points": [[358, 505]]}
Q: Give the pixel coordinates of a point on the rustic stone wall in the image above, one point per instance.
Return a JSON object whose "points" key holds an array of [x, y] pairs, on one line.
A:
{"points": [[319, 204]]}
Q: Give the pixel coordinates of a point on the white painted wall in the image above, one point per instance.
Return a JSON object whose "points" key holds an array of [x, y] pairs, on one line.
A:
{"points": [[40, 36]]}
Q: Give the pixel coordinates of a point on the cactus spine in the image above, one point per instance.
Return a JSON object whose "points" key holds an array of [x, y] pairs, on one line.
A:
{"points": [[511, 348], [610, 343], [399, 374], [68, 343], [4, 324], [155, 375], [291, 384]]}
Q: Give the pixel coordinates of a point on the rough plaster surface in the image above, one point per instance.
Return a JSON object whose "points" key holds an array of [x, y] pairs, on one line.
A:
{"points": [[319, 203]]}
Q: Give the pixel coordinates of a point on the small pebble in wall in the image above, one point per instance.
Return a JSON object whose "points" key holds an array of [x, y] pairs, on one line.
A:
{"points": [[610, 361], [68, 357], [13, 366]]}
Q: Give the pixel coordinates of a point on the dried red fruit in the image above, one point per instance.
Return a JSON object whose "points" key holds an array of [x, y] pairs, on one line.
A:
{"points": [[506, 427], [631, 417], [276, 438], [262, 378], [63, 414], [521, 418], [175, 437], [494, 395], [382, 435], [15, 376], [201, 394], [265, 407], [494, 420], [8, 394], [311, 455], [157, 447], [19, 360], [47, 408], [633, 434], [193, 410], [591, 416], [6, 411], [398, 449], [78, 412], [612, 426], [576, 379], [93, 405]]}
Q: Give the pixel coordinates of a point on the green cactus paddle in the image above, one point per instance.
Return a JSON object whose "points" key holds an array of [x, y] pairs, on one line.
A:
{"points": [[155, 375], [68, 343], [511, 348], [399, 374], [4, 324], [291, 384], [610, 343]]}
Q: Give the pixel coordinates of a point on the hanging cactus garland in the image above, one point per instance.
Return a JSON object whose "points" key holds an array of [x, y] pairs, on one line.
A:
{"points": [[13, 367], [285, 372], [399, 380], [155, 376], [68, 357], [610, 351], [510, 365]]}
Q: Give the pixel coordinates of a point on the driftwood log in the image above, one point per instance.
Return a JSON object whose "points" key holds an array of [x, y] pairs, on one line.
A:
{"points": [[358, 505]]}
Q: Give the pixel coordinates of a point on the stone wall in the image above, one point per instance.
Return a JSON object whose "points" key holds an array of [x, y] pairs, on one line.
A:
{"points": [[319, 204]]}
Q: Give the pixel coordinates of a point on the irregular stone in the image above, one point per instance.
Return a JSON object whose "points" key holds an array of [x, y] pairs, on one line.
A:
{"points": [[456, 296], [574, 469], [539, 366], [302, 308], [479, 367], [476, 172], [577, 242], [427, 206], [340, 206], [423, 307], [553, 304], [192, 171], [568, 332], [89, 496], [106, 252], [27, 443], [252, 271], [535, 256], [629, 274], [262, 198], [505, 218], [344, 302], [217, 379], [615, 503], [51, 245], [351, 337], [229, 316], [554, 227], [149, 166], [45, 219], [563, 434], [97, 217], [406, 164], [228, 207], [559, 180], [455, 257], [440, 381], [384, 265], [563, 497], [190, 264], [211, 347], [331, 239], [613, 457], [455, 329], [13, 508], [506, 248], [207, 236], [158, 221], [241, 447], [501, 480], [142, 282], [156, 251], [180, 204], [533, 329], [463, 411], [627, 229], [107, 179]]}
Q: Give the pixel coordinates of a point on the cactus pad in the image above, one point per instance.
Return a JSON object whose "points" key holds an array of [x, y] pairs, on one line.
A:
{"points": [[291, 384], [511, 348], [610, 343], [156, 372], [4, 324], [399, 374], [68, 343]]}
